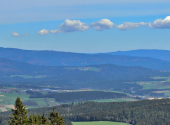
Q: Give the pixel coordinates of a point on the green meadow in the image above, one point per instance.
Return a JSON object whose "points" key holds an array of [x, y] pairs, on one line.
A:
{"points": [[99, 123]]}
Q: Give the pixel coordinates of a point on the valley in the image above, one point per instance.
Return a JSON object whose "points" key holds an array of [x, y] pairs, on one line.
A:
{"points": [[105, 80]]}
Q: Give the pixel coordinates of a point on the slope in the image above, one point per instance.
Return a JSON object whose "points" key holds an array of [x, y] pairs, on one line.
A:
{"points": [[55, 58]]}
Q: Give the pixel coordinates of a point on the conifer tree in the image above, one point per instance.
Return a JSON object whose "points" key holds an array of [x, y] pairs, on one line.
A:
{"points": [[42, 119], [18, 117], [55, 119]]}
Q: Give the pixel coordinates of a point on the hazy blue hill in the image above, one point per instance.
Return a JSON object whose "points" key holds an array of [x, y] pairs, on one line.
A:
{"points": [[55, 58], [8, 67], [153, 53], [95, 76]]}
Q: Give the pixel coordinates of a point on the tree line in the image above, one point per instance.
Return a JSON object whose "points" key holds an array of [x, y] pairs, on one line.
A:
{"points": [[77, 96], [145, 112], [20, 117]]}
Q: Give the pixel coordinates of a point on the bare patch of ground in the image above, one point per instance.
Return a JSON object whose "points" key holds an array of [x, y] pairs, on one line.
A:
{"points": [[159, 91], [130, 99], [3, 109], [10, 106]]}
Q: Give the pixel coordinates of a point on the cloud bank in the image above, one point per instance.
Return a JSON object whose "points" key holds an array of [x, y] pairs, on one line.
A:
{"points": [[161, 24], [43, 32], [130, 25], [102, 24], [15, 34], [71, 26]]}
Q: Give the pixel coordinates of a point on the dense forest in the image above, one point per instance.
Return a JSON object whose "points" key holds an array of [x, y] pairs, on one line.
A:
{"points": [[101, 77], [146, 112], [77, 96]]}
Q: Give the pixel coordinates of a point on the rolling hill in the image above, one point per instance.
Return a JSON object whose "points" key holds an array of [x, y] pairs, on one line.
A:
{"points": [[94, 76], [152, 53], [55, 58]]}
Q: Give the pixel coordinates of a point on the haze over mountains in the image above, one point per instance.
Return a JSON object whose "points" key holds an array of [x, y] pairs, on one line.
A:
{"points": [[79, 70], [153, 53], [55, 58]]}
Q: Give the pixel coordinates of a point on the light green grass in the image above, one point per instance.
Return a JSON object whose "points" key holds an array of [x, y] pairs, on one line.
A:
{"points": [[99, 123], [9, 98], [115, 100], [40, 101], [159, 77], [103, 100]]}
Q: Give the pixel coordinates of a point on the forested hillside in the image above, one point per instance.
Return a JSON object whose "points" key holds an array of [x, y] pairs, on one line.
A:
{"points": [[148, 112], [77, 96], [95, 76]]}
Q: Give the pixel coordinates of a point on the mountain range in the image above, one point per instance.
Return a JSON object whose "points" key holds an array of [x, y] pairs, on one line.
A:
{"points": [[153, 60], [152, 53]]}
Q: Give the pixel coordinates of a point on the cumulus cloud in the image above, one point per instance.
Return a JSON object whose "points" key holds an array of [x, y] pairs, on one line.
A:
{"points": [[161, 24], [71, 26], [130, 25], [15, 34], [26, 34], [102, 24], [43, 32]]}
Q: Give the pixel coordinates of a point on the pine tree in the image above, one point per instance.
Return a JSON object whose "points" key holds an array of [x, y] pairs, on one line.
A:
{"points": [[33, 119], [42, 119], [55, 118], [19, 116]]}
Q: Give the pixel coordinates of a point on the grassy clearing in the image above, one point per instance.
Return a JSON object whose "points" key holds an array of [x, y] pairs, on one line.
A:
{"points": [[159, 77], [104, 100], [99, 123], [9, 98], [115, 100]]}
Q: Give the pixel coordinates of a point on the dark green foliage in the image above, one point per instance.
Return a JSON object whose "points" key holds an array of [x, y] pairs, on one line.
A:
{"points": [[146, 112], [18, 117], [30, 103], [34, 94], [81, 96], [108, 76], [55, 119], [84, 96]]}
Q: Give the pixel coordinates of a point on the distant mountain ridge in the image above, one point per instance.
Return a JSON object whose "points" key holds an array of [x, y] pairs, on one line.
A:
{"points": [[152, 53], [55, 58]]}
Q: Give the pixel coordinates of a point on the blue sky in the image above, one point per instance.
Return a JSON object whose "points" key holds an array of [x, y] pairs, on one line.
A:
{"points": [[85, 26]]}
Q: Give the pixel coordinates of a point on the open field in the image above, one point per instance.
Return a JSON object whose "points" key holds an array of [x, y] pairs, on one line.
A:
{"points": [[7, 101], [116, 100], [99, 123]]}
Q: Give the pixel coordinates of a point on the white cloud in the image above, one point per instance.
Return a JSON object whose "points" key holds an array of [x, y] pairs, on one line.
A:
{"points": [[55, 31], [43, 32], [26, 34], [71, 26], [160, 24], [15, 34], [102, 24], [130, 25]]}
